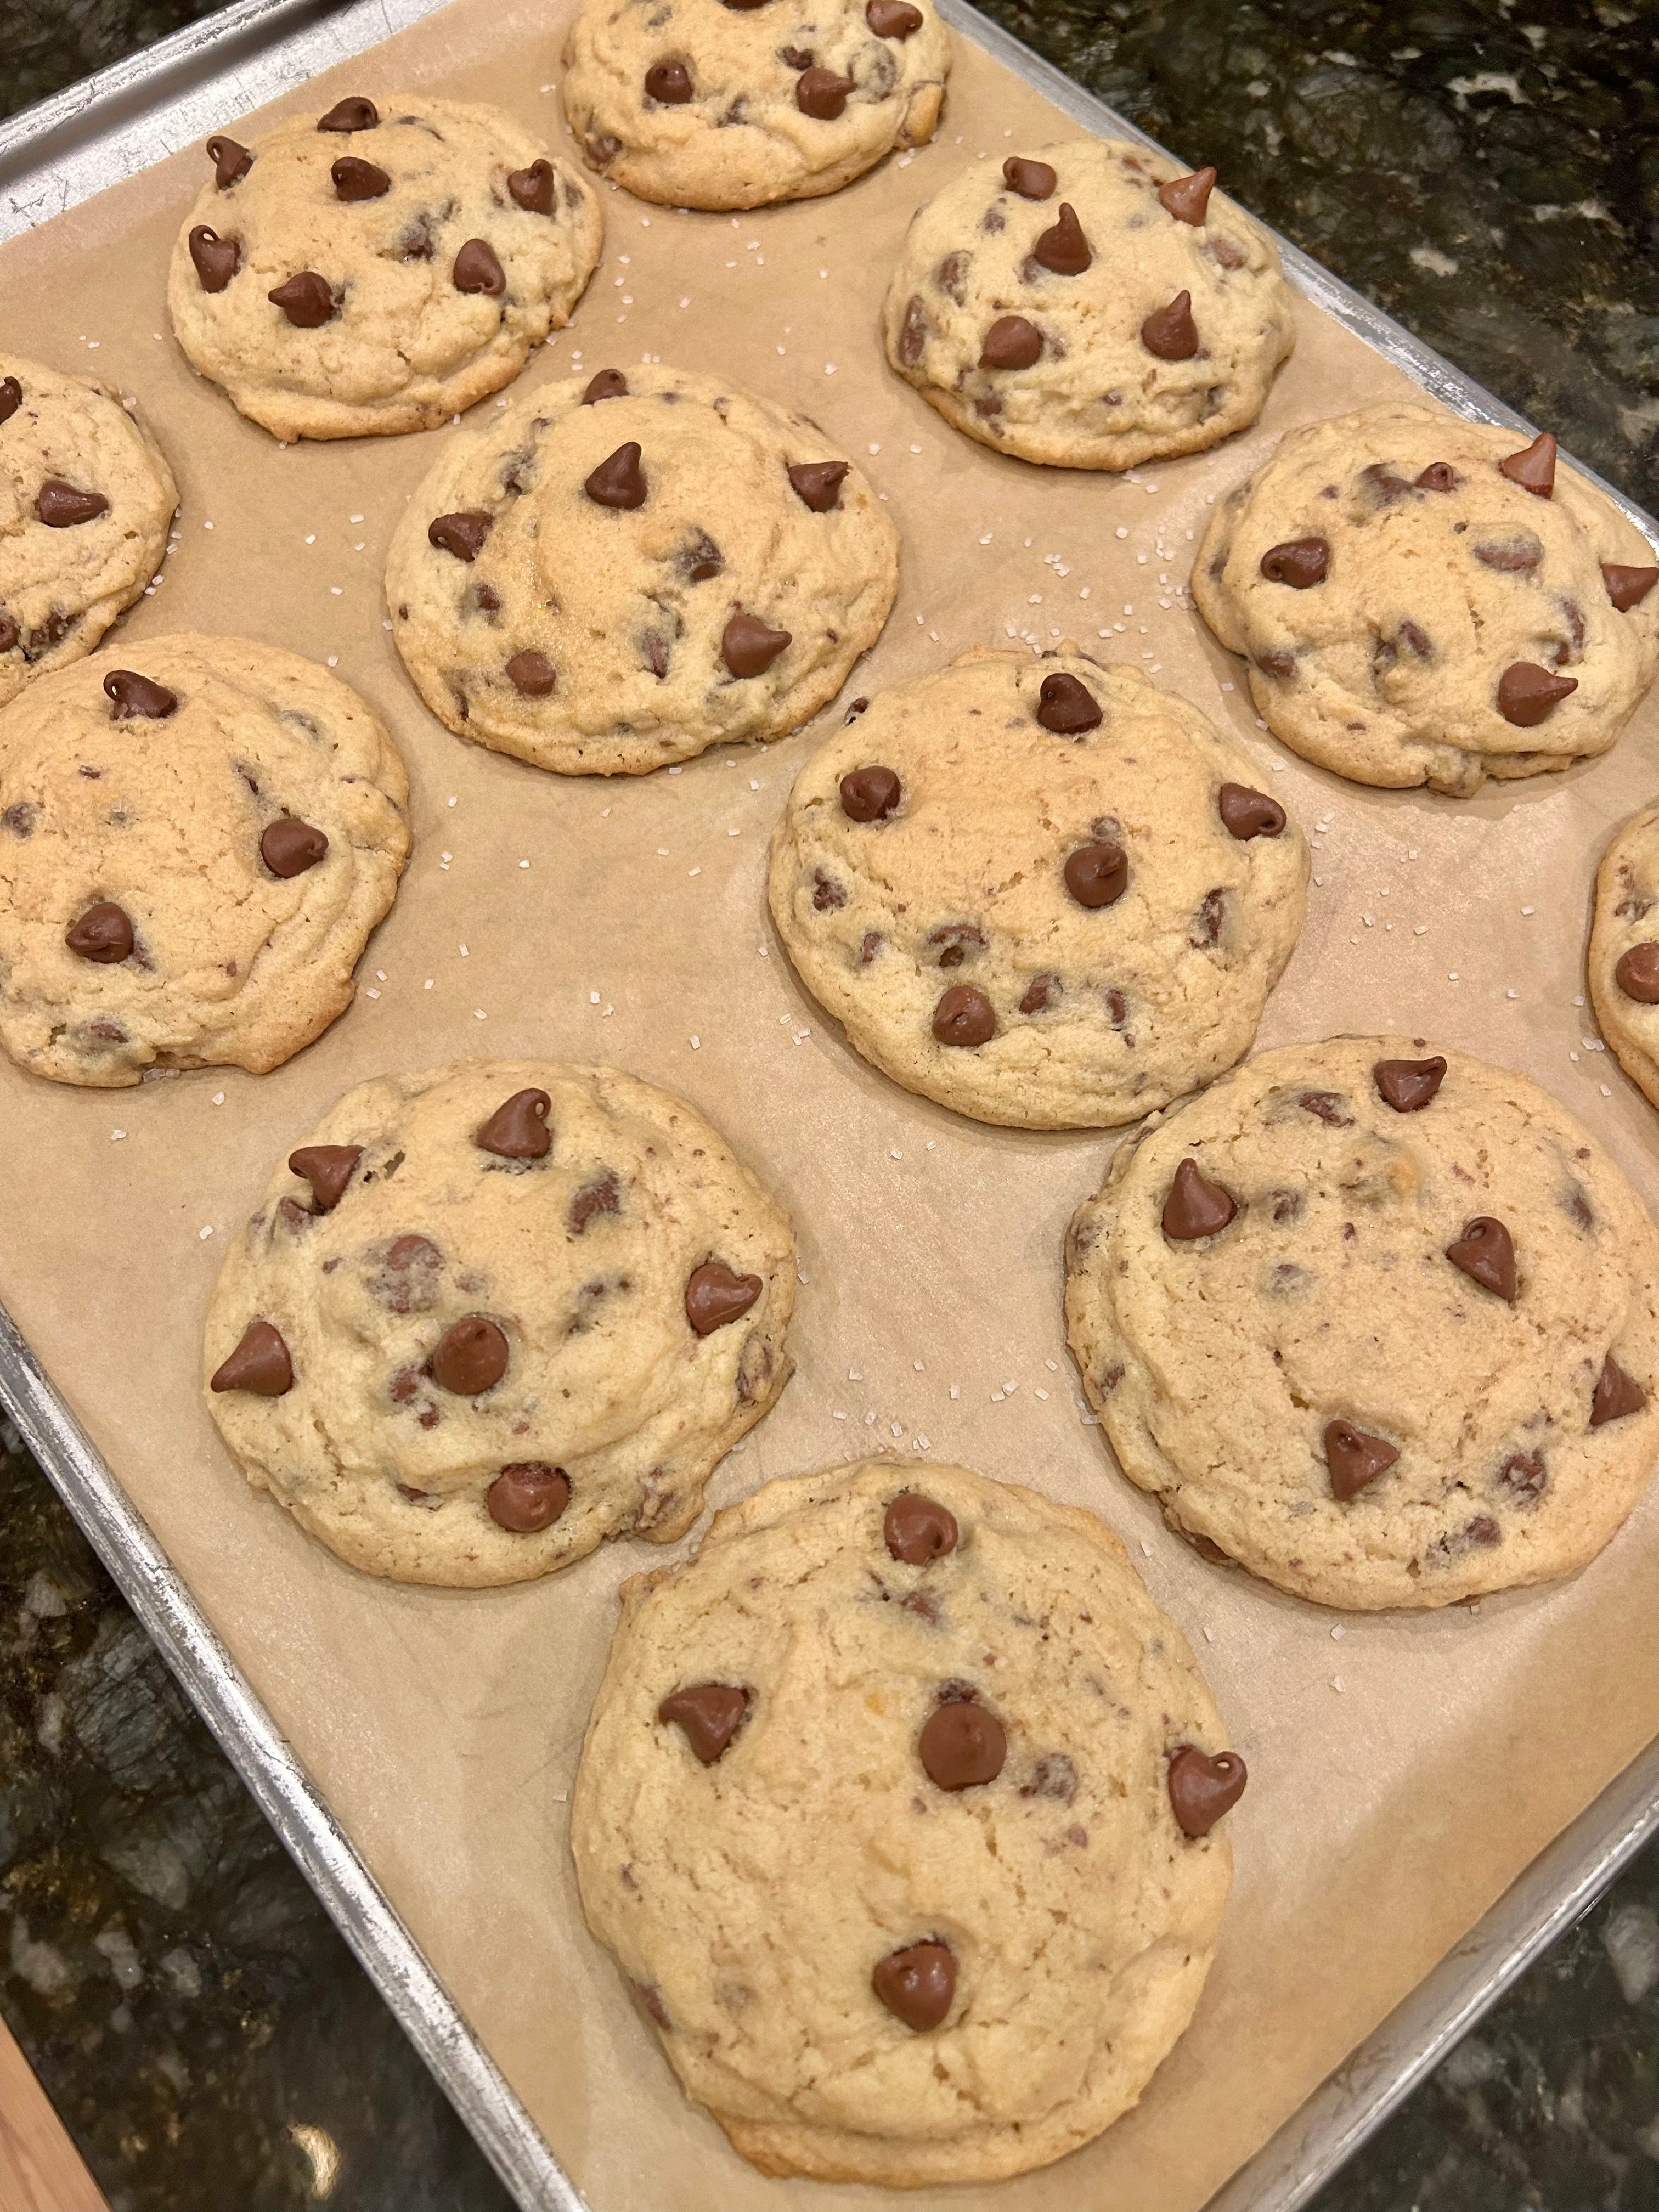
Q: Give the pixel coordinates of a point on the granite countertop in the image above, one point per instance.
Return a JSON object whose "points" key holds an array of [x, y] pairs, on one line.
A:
{"points": [[1489, 171]]}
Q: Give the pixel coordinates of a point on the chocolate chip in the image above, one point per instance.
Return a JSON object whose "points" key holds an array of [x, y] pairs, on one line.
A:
{"points": [[1439, 475], [1097, 875], [1526, 1474], [1171, 332], [1032, 181], [356, 115], [1513, 556], [534, 189], [668, 83], [103, 933], [1040, 994], [749, 647], [307, 299], [710, 1713], [1054, 1776], [796, 57], [1064, 248], [602, 1195], [913, 335], [289, 847], [1010, 343], [260, 1363], [1528, 695], [216, 259], [1187, 199], [11, 397], [533, 674], [136, 698], [20, 817], [1327, 1106], [962, 1746], [618, 480], [1299, 562], [61, 506], [821, 94], [1195, 1207], [1637, 974], [918, 1984], [1246, 813], [327, 1168], [918, 1529], [964, 1017], [1202, 1788], [1626, 588], [1355, 1459], [8, 635], [477, 269], [355, 180], [1615, 1395], [231, 162], [528, 1496], [1276, 664], [518, 1129], [1066, 706], [609, 383], [462, 534], [1533, 469], [817, 484], [1485, 1253], [470, 1357], [870, 794], [716, 1295], [893, 19], [951, 939]]}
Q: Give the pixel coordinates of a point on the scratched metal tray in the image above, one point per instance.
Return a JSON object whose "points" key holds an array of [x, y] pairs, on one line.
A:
{"points": [[60, 153]]}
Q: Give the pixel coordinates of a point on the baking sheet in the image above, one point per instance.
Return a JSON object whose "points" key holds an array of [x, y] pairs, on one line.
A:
{"points": [[443, 1728]]}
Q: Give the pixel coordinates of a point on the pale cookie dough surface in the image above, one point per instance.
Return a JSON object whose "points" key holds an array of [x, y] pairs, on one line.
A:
{"points": [[623, 612], [750, 1901], [404, 348], [230, 964], [741, 139], [580, 1259], [1101, 1014], [1096, 397], [62, 586], [1623, 962], [1216, 1365], [1387, 669]]}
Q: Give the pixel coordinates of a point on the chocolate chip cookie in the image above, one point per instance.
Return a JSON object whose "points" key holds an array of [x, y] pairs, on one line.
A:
{"points": [[86, 499], [737, 103], [1375, 1319], [1039, 891], [898, 1808], [488, 1317], [1089, 306], [621, 569], [381, 267], [1624, 948], [1421, 600], [197, 837]]}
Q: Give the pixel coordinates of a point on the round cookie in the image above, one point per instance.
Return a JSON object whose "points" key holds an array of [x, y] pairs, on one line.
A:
{"points": [[897, 1808], [193, 850], [86, 501], [617, 571], [1422, 599], [489, 1316], [1041, 891], [737, 103], [1089, 307], [376, 270], [1623, 962], [1380, 1323]]}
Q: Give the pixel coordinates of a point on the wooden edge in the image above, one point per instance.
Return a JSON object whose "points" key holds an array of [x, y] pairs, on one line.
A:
{"points": [[40, 2169]]}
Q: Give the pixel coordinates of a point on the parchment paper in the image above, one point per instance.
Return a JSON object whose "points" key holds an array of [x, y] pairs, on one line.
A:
{"points": [[1403, 1770]]}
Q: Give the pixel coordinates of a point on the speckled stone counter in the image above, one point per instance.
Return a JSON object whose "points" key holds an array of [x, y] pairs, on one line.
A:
{"points": [[1490, 173]]}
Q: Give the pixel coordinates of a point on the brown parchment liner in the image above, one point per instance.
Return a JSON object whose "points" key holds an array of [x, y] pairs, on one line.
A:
{"points": [[1382, 1817]]}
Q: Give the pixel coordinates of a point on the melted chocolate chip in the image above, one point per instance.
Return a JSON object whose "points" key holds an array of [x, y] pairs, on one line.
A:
{"points": [[528, 1496], [1040, 992], [534, 189], [1032, 181], [289, 847], [352, 114], [1010, 343], [1627, 587], [1171, 332], [11, 397], [307, 299], [102, 933], [716, 1295], [1202, 1787], [462, 534], [893, 19], [470, 1357], [870, 794], [1533, 469], [1246, 813], [964, 1017], [821, 94], [1187, 199], [135, 697], [1526, 1474], [1485, 1253], [1097, 875], [1407, 1085], [216, 259], [1054, 1776], [918, 1984], [817, 484], [518, 1129], [532, 674], [1439, 475], [602, 1195], [670, 82], [231, 162], [609, 383], [61, 506], [260, 1363], [1528, 695], [1299, 563], [1637, 974], [1513, 556], [710, 1715], [327, 1168], [1355, 1459], [919, 1529], [1195, 1207], [1064, 248], [962, 1746], [1616, 1395], [748, 645], [8, 635], [1327, 1106], [1066, 706]]}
